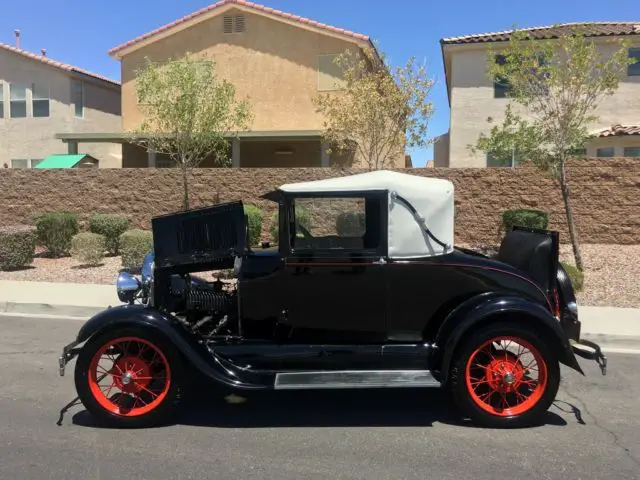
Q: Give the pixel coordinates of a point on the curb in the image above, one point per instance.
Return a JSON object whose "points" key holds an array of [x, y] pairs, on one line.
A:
{"points": [[35, 309]]}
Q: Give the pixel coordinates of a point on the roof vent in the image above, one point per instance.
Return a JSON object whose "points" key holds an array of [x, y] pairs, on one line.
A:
{"points": [[239, 24], [227, 24], [233, 24]]}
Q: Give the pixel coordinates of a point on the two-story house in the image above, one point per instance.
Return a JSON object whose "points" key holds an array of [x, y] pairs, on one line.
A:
{"points": [[41, 97], [473, 96], [279, 61]]}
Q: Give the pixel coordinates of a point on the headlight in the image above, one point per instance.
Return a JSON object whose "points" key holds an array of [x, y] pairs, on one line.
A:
{"points": [[127, 286]]}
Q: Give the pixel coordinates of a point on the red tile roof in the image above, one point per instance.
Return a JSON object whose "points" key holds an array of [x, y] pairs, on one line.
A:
{"points": [[243, 3], [618, 130], [592, 29], [54, 63]]}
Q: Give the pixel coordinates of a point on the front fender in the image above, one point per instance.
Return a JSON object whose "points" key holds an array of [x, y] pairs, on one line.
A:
{"points": [[481, 310], [196, 352]]}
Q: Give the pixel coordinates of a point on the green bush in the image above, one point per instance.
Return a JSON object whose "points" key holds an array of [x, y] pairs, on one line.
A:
{"points": [[254, 218], [525, 218], [350, 224], [17, 246], [55, 231], [303, 218], [88, 248], [575, 275], [111, 227], [134, 246]]}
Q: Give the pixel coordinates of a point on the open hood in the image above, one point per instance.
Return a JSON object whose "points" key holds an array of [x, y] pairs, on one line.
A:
{"points": [[199, 240]]}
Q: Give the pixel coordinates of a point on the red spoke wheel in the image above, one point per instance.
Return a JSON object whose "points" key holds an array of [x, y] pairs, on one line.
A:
{"points": [[505, 375], [129, 377]]}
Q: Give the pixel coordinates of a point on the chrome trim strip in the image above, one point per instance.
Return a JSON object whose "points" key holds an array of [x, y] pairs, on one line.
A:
{"points": [[355, 379]]}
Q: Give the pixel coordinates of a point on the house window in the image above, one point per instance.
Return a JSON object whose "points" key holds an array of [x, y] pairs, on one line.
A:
{"points": [[18, 100], [336, 223], [500, 85], [25, 162], [504, 160], [19, 163], [632, 151], [605, 152], [40, 100], [233, 24], [634, 70], [330, 74], [77, 97], [1, 100], [164, 162]]}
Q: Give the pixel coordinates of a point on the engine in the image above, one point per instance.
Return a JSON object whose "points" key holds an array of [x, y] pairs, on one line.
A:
{"points": [[206, 308]]}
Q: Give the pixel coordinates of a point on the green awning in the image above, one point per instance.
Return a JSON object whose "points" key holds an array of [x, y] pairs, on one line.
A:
{"points": [[64, 161]]}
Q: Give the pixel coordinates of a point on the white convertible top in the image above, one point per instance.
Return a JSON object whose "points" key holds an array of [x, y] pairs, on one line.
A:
{"points": [[432, 198]]}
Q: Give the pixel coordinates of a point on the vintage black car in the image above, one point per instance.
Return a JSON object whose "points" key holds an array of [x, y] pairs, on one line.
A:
{"points": [[364, 290]]}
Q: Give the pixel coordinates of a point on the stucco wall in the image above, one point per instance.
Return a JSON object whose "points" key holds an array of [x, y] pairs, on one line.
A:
{"points": [[605, 195], [472, 102], [273, 63], [31, 138]]}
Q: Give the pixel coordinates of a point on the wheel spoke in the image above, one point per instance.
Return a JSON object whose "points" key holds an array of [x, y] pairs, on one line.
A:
{"points": [[155, 395]]}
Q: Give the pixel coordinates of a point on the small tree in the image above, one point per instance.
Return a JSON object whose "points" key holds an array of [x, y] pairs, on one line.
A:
{"points": [[189, 113], [558, 83], [378, 111]]}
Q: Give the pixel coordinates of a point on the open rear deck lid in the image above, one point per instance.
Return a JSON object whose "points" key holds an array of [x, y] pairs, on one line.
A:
{"points": [[200, 239]]}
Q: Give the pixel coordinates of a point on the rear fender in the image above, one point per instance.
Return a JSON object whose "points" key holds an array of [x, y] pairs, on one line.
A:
{"points": [[196, 353], [485, 309]]}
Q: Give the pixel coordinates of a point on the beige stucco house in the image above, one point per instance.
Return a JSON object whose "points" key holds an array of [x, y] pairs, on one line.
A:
{"points": [[41, 97], [473, 96], [279, 61]]}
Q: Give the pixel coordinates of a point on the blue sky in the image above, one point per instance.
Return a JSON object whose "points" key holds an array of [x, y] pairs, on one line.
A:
{"points": [[81, 32]]}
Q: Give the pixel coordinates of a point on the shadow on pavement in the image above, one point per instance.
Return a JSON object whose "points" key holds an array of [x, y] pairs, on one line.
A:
{"points": [[323, 408]]}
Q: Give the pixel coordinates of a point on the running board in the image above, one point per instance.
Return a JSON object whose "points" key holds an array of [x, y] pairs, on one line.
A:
{"points": [[355, 379]]}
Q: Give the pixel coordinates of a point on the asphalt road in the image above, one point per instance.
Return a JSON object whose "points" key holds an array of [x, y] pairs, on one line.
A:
{"points": [[593, 431]]}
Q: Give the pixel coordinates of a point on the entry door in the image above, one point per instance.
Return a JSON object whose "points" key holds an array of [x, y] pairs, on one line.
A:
{"points": [[335, 288]]}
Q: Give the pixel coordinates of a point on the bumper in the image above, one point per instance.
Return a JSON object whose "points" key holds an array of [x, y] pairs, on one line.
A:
{"points": [[590, 351], [68, 353]]}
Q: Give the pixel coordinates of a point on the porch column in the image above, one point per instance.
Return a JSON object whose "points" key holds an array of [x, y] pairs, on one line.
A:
{"points": [[325, 160], [151, 158], [235, 153], [72, 147]]}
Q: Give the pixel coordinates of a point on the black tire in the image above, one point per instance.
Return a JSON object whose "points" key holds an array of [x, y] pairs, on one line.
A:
{"points": [[463, 396], [160, 414]]}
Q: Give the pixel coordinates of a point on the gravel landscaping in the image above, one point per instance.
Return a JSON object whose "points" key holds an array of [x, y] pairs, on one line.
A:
{"points": [[612, 275]]}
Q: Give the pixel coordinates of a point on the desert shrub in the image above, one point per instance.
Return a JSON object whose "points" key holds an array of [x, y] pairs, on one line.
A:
{"points": [[17, 246], [88, 248], [111, 227], [350, 224], [303, 217], [55, 231], [576, 276], [134, 246], [254, 218], [521, 217]]}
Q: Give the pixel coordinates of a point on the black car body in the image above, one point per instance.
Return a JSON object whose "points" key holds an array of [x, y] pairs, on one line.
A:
{"points": [[363, 290]]}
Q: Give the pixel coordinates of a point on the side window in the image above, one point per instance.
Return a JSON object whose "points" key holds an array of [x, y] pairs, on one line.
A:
{"points": [[337, 224]]}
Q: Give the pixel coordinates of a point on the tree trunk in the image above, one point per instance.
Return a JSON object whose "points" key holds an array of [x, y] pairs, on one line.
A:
{"points": [[185, 183], [567, 208]]}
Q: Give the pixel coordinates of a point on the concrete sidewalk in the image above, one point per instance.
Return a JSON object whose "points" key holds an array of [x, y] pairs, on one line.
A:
{"points": [[84, 300], [63, 299]]}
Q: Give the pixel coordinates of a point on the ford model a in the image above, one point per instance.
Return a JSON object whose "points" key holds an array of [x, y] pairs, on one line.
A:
{"points": [[364, 290]]}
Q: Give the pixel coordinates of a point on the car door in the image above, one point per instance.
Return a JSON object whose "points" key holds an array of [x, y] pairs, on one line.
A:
{"points": [[334, 299]]}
